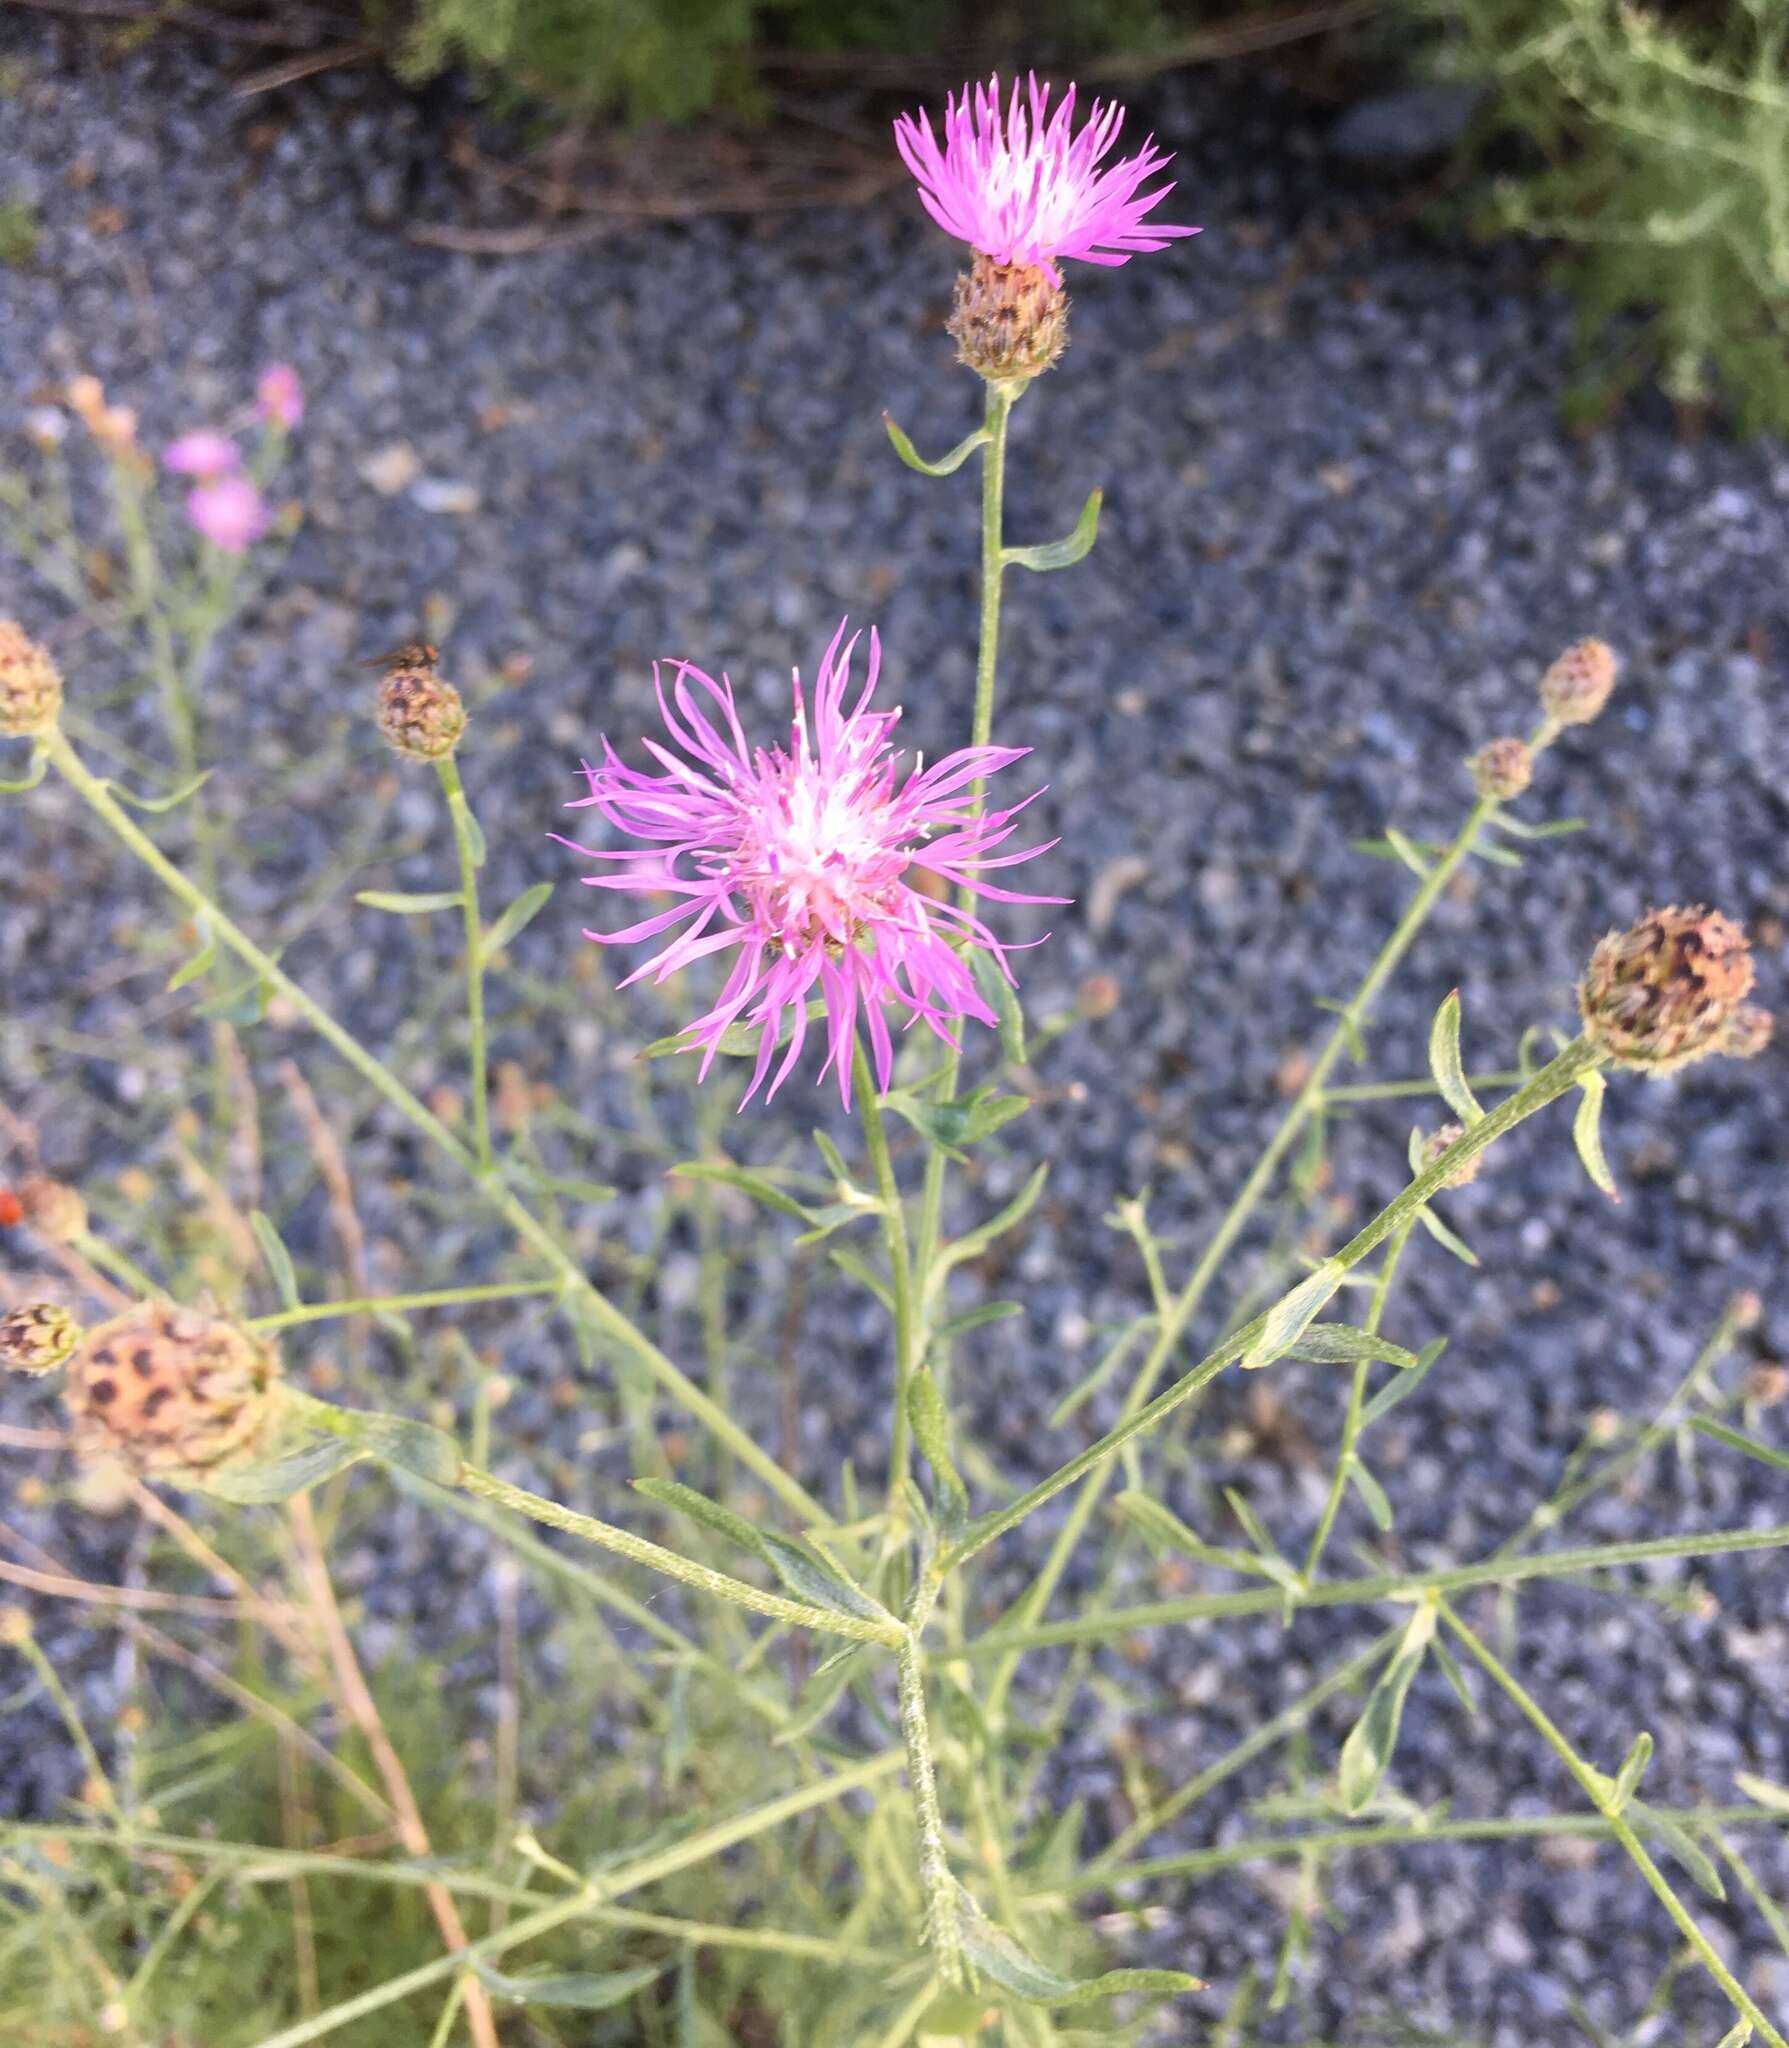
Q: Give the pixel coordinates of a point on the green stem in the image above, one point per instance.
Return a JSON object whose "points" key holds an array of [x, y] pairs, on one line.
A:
{"points": [[603, 1313], [900, 1265], [1492, 1571], [1357, 1397], [397, 1304], [1553, 1080], [1308, 1101], [943, 1935], [1600, 1791], [466, 844], [483, 1486]]}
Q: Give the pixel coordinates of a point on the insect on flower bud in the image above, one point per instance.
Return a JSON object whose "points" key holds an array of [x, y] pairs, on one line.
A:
{"points": [[36, 1337], [1008, 320], [1502, 770], [172, 1392], [1669, 990], [53, 1209], [30, 684], [420, 713], [1443, 1140], [1576, 688]]}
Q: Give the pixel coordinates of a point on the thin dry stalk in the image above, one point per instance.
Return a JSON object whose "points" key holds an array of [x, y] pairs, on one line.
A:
{"points": [[343, 1216]]}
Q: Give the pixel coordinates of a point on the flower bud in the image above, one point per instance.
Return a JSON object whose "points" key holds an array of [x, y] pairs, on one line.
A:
{"points": [[1009, 320], [53, 1209], [1443, 1140], [1577, 686], [172, 1392], [1668, 990], [419, 712], [30, 686], [36, 1337], [1748, 1032], [1502, 770]]}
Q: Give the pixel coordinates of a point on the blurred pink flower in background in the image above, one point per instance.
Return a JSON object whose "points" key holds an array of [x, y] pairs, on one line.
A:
{"points": [[1021, 189], [203, 452], [279, 396], [798, 862], [228, 511]]}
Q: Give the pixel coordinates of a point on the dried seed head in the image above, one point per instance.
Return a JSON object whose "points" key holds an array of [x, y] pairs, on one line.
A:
{"points": [[1438, 1142], [53, 1209], [1577, 686], [1748, 1032], [420, 713], [30, 685], [1502, 770], [1668, 990], [1008, 320], [37, 1337], [172, 1392]]}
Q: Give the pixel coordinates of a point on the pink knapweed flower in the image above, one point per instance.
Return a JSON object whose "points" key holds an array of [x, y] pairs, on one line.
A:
{"points": [[204, 453], [279, 396], [801, 862], [1020, 188], [228, 511]]}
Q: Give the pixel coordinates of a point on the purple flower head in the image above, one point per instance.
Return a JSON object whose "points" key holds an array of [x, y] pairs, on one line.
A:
{"points": [[1021, 189], [228, 511], [204, 453], [279, 396], [799, 862]]}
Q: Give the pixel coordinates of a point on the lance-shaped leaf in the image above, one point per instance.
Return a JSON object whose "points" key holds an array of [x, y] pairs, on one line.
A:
{"points": [[946, 464], [155, 805], [409, 903], [1343, 1344], [1374, 1736], [1163, 1529], [1675, 1837], [581, 1990], [201, 961], [951, 1125], [931, 1431], [1289, 1318], [1001, 1959], [1406, 852], [1445, 1063], [1444, 1236], [514, 919], [1003, 999], [312, 1441], [35, 770], [1065, 553], [1633, 1769], [1377, 1500], [753, 1184], [1587, 1133], [974, 1242], [1406, 1383], [278, 1259]]}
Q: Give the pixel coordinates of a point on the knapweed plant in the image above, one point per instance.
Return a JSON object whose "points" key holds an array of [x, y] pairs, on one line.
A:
{"points": [[783, 1771]]}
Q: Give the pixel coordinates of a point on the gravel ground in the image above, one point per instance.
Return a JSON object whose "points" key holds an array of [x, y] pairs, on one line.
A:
{"points": [[1344, 532]]}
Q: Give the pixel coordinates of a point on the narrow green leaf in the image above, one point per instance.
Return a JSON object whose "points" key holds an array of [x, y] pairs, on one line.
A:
{"points": [[1369, 1489], [514, 919], [753, 1184], [946, 464], [1556, 829], [1004, 1962], [1455, 1677], [1775, 1797], [1065, 553], [156, 805], [1351, 1032], [974, 1242], [685, 1500], [578, 1989], [314, 1441], [1407, 853], [407, 904], [278, 1259], [1290, 1317], [35, 770], [1736, 2035], [823, 1691], [975, 1318], [475, 832], [1633, 1769], [835, 1159], [200, 963], [1343, 1344], [1271, 1564], [1003, 999], [931, 1431], [1682, 1844], [1404, 1385], [1705, 1425], [949, 1126], [1444, 1236], [1587, 1133], [1446, 1066], [1162, 1529], [1372, 1739]]}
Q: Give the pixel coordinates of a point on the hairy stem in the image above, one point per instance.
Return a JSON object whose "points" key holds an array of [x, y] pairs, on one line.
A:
{"points": [[603, 1313], [943, 1936]]}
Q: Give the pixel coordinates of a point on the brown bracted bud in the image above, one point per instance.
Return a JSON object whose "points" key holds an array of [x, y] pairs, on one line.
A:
{"points": [[1748, 1032], [172, 1392], [1576, 688], [1502, 770], [37, 1336], [30, 684], [420, 713], [1668, 990], [1008, 320], [53, 1209], [1443, 1140]]}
